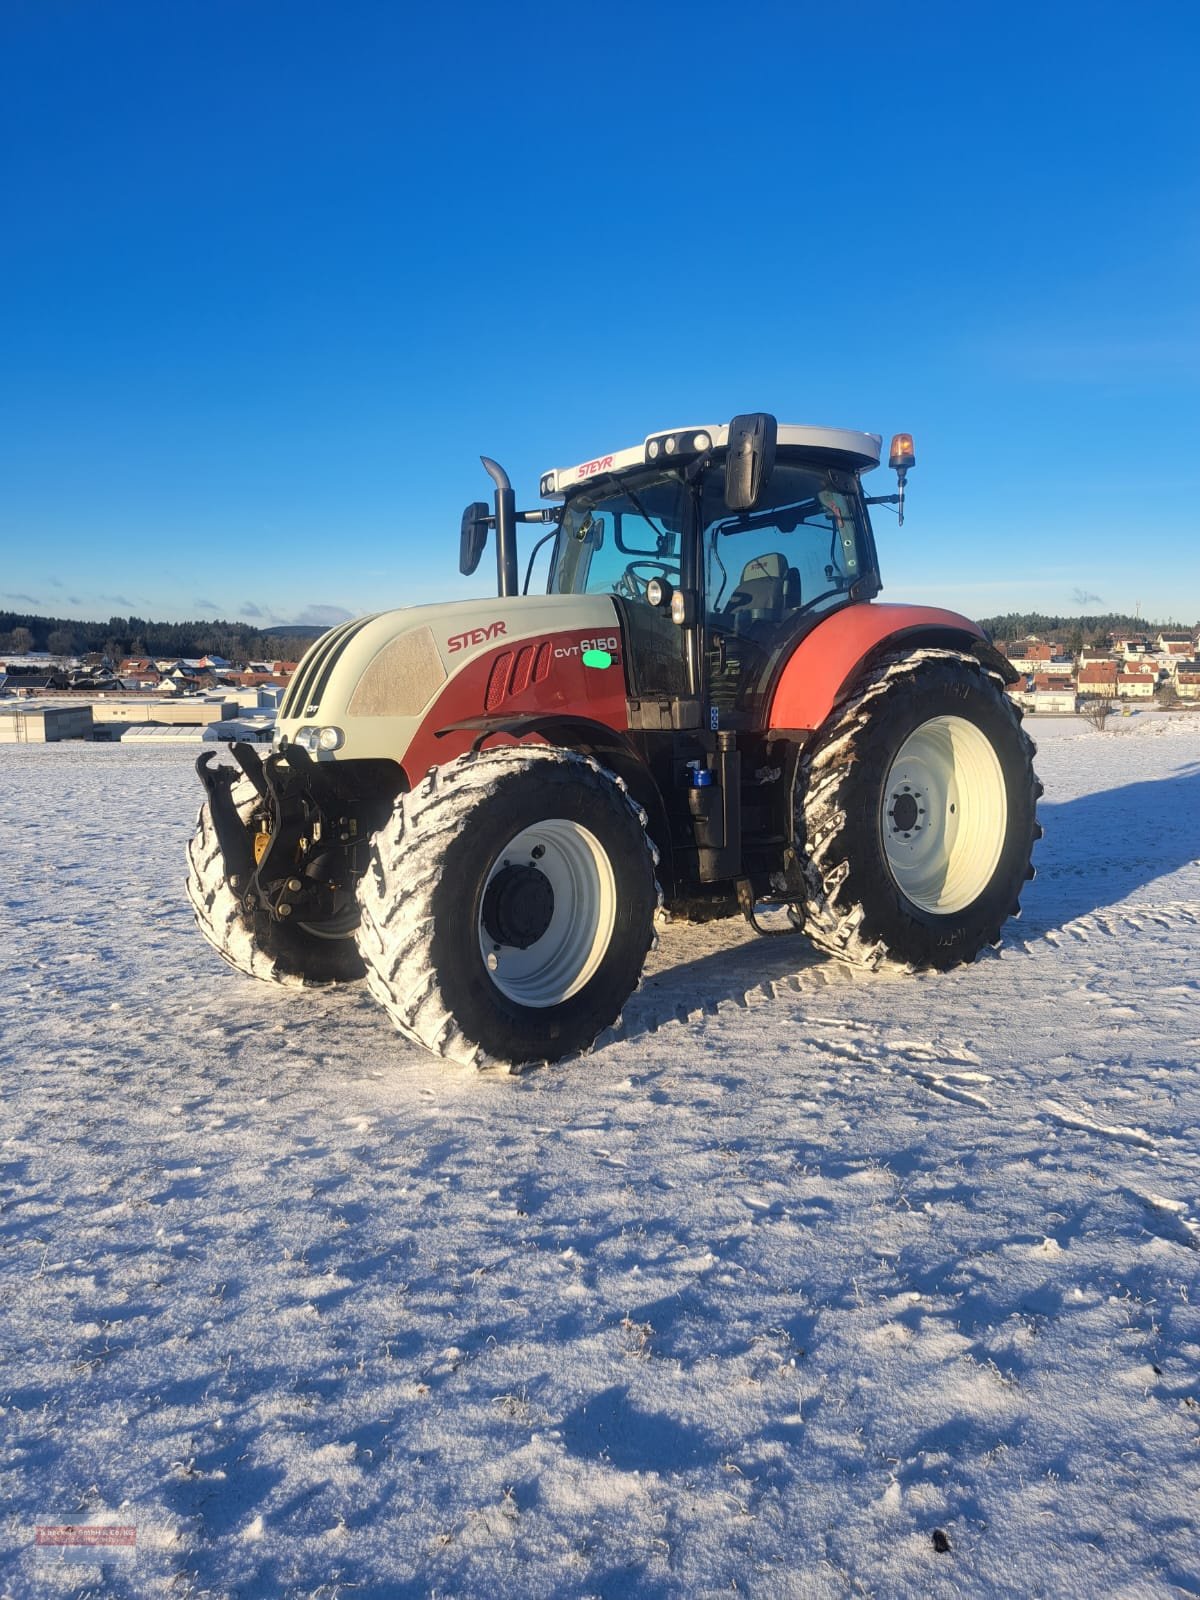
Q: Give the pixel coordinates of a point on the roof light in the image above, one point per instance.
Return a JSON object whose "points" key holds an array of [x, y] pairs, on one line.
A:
{"points": [[678, 446], [902, 455]]}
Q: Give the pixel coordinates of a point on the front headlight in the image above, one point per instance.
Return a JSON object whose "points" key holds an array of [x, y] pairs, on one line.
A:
{"points": [[330, 739]]}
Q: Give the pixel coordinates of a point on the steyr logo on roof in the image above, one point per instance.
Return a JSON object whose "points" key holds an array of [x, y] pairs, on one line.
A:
{"points": [[463, 641], [590, 468]]}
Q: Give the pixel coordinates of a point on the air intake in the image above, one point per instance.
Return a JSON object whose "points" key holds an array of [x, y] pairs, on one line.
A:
{"points": [[513, 672]]}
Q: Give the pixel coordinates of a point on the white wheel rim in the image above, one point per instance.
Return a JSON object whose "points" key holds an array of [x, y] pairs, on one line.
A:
{"points": [[944, 815], [580, 876]]}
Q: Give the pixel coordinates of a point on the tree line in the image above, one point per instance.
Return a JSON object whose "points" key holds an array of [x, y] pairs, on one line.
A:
{"points": [[135, 636], [238, 641]]}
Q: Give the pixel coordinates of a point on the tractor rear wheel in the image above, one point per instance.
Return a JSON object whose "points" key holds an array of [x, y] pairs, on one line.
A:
{"points": [[509, 905], [255, 943], [915, 812]]}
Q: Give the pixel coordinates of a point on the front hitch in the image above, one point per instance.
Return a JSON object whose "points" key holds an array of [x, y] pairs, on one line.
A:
{"points": [[305, 860]]}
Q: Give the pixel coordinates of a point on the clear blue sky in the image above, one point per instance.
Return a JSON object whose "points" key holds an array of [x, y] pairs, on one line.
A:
{"points": [[275, 272]]}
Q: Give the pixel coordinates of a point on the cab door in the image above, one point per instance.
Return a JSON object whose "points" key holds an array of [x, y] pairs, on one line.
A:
{"points": [[615, 543], [770, 575]]}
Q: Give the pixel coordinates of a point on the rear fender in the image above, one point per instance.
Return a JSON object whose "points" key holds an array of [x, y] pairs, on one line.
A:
{"points": [[827, 662]]}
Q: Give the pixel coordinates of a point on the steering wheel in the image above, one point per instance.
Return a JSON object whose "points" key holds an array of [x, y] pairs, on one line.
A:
{"points": [[632, 584]]}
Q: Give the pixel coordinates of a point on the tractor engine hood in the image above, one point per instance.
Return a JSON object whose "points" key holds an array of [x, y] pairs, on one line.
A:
{"points": [[377, 681]]}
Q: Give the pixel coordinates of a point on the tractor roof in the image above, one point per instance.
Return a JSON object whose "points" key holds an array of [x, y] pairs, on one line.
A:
{"points": [[860, 450]]}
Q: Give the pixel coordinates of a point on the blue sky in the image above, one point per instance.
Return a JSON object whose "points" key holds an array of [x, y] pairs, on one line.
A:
{"points": [[276, 272]]}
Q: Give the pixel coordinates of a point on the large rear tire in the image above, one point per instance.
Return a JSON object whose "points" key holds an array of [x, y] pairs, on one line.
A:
{"points": [[509, 906], [915, 812], [256, 944]]}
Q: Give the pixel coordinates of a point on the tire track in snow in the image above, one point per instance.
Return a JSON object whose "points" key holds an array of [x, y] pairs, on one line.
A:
{"points": [[1074, 1119]]}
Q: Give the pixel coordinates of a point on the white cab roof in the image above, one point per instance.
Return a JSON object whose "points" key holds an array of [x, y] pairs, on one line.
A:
{"points": [[866, 447]]}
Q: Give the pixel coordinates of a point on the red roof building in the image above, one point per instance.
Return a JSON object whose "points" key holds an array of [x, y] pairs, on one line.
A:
{"points": [[1098, 678]]}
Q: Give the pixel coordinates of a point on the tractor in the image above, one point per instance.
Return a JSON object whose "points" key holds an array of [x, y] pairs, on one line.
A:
{"points": [[484, 807]]}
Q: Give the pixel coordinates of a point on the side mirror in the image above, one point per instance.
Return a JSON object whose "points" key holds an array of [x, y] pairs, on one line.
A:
{"points": [[750, 459], [473, 536]]}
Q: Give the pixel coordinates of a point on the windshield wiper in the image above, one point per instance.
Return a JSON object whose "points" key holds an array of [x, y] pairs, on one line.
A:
{"points": [[632, 497]]}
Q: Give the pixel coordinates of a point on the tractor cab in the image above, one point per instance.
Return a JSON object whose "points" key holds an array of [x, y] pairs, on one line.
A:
{"points": [[721, 545]]}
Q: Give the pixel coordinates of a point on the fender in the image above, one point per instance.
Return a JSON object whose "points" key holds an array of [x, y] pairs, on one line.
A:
{"points": [[826, 662]]}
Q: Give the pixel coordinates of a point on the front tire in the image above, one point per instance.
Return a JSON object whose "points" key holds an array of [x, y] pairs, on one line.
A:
{"points": [[915, 812], [509, 906], [255, 943]]}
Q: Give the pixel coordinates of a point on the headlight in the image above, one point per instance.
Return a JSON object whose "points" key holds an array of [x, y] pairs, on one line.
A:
{"points": [[330, 739], [307, 739]]}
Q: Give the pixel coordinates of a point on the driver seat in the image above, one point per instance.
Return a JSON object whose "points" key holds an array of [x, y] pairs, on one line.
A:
{"points": [[767, 587]]}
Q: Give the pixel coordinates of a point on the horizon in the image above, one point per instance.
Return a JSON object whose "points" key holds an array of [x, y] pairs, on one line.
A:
{"points": [[1056, 622], [254, 344]]}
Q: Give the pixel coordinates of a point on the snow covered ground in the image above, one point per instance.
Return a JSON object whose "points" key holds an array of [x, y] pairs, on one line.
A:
{"points": [[797, 1271]]}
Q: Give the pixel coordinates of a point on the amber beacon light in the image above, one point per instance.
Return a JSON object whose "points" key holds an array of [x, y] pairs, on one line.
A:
{"points": [[902, 456]]}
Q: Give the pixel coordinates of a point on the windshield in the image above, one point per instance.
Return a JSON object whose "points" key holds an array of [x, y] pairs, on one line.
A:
{"points": [[797, 554], [617, 535], [798, 551]]}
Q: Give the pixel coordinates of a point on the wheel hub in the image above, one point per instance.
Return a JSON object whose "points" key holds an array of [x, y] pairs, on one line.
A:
{"points": [[943, 814], [547, 913], [907, 811], [518, 906]]}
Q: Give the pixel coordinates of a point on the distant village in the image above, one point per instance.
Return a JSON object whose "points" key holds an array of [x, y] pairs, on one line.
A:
{"points": [[166, 675], [1161, 668], [45, 698]]}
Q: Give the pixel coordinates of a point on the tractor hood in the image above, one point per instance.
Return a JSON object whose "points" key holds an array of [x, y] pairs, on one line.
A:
{"points": [[376, 680]]}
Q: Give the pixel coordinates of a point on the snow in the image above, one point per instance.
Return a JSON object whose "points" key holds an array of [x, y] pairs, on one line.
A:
{"points": [[798, 1269]]}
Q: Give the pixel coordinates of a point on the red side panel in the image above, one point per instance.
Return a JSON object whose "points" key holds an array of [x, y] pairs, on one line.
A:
{"points": [[524, 678], [827, 658]]}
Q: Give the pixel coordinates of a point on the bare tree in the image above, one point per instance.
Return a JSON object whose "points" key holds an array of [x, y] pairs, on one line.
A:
{"points": [[62, 642], [1097, 712]]}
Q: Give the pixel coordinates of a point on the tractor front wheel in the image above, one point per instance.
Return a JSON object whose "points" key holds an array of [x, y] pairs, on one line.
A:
{"points": [[915, 811], [509, 905]]}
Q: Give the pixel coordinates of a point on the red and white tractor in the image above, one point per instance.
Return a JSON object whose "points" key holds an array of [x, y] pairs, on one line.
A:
{"points": [[481, 806]]}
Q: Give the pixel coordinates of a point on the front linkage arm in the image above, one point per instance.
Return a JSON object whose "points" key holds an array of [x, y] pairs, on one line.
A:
{"points": [[309, 862]]}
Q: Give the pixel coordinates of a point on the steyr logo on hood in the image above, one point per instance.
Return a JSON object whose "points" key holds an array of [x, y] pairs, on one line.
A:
{"points": [[463, 641]]}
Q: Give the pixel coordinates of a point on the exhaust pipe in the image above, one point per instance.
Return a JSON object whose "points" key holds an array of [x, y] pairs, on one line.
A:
{"points": [[506, 528]]}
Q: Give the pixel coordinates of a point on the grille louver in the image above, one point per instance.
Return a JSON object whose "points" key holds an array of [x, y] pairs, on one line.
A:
{"points": [[313, 674]]}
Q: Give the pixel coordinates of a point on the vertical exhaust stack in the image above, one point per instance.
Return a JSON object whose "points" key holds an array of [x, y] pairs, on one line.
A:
{"points": [[506, 528]]}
